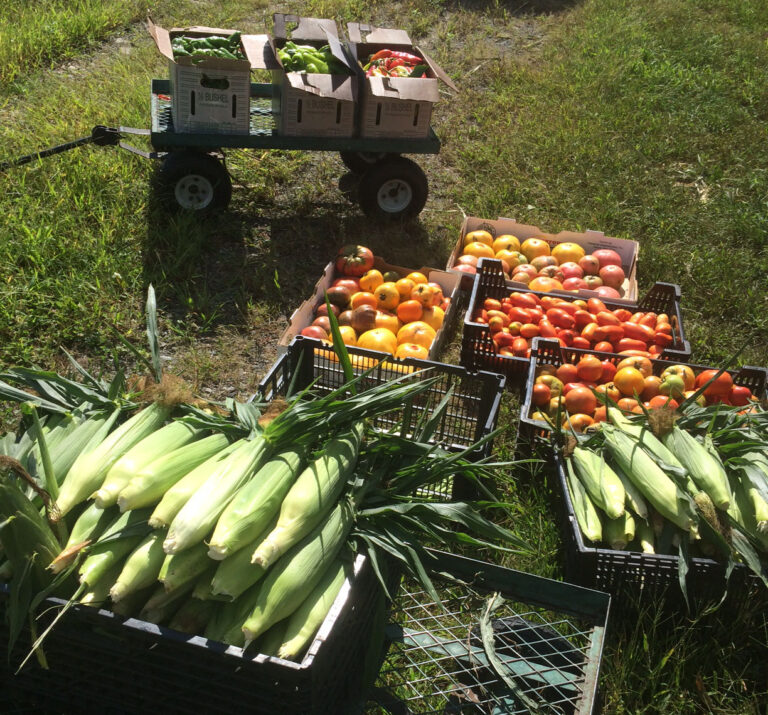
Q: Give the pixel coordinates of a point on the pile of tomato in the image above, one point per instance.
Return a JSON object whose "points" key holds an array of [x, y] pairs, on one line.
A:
{"points": [[579, 392], [584, 324], [383, 311], [566, 266]]}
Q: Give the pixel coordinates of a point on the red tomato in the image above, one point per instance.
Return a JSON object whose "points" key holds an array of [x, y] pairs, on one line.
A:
{"points": [[740, 395], [354, 260], [722, 386], [541, 394], [580, 343], [609, 370], [559, 318], [603, 347], [546, 329]]}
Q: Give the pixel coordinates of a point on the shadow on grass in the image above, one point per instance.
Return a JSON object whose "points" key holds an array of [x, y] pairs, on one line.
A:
{"points": [[207, 269], [517, 7]]}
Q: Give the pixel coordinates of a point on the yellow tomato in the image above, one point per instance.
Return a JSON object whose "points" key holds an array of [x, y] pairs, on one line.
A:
{"points": [[371, 281], [568, 252], [479, 236], [378, 339], [417, 332], [533, 247], [506, 242]]}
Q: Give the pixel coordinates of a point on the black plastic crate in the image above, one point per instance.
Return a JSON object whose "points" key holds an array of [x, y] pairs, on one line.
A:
{"points": [[471, 414], [550, 352], [478, 351], [646, 578], [550, 634], [100, 662]]}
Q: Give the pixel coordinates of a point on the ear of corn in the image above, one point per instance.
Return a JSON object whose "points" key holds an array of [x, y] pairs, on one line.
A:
{"points": [[644, 436], [269, 643], [162, 604], [603, 486], [312, 496], [649, 478], [294, 576], [159, 443], [184, 567], [617, 533], [90, 525], [308, 617], [635, 500], [236, 573], [193, 616], [251, 509], [92, 465], [644, 534], [199, 515], [704, 467], [583, 508], [149, 484], [98, 593], [141, 567], [179, 494], [226, 625]]}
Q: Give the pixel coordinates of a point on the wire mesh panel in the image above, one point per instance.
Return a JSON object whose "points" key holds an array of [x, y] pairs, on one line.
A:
{"points": [[546, 636]]}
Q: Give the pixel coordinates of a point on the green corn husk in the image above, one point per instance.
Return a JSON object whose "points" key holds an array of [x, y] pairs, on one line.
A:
{"points": [[586, 515], [162, 604], [141, 568], [149, 485], [649, 478], [643, 434], [312, 496], [704, 467], [269, 643], [193, 616], [199, 515], [131, 605], [119, 539], [617, 533], [164, 440], [236, 573], [635, 499], [184, 567], [756, 482], [226, 625], [251, 509], [309, 616], [645, 537], [294, 575], [90, 525], [92, 465], [601, 482], [97, 594]]}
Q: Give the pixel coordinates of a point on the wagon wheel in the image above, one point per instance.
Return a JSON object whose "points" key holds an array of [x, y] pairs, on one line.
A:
{"points": [[194, 181], [358, 162], [393, 189]]}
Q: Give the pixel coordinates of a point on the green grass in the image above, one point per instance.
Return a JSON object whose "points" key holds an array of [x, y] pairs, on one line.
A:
{"points": [[643, 120]]}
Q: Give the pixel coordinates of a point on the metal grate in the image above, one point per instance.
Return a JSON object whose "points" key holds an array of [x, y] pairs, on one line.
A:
{"points": [[437, 663], [262, 117]]}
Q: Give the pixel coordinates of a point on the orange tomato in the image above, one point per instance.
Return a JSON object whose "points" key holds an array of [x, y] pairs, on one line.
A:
{"points": [[512, 258], [589, 368], [417, 277], [363, 298], [651, 388], [506, 242], [545, 284], [378, 339], [529, 330], [541, 394], [533, 247], [388, 320], [409, 310], [479, 236], [568, 252], [404, 287], [416, 332], [629, 381], [371, 280], [434, 317], [405, 350], [658, 401], [601, 414], [577, 422], [387, 296], [438, 297], [424, 293], [580, 399], [627, 404], [642, 364], [567, 373], [479, 250], [609, 390]]}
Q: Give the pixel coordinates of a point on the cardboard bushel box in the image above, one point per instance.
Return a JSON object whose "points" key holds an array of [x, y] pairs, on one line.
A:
{"points": [[393, 106], [588, 240], [313, 104], [211, 96], [305, 313]]}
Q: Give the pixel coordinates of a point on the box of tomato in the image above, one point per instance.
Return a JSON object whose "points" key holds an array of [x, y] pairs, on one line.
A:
{"points": [[567, 255], [395, 318], [621, 378], [502, 319]]}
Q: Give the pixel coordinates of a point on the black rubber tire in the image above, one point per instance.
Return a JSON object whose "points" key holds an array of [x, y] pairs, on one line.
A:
{"points": [[358, 162], [193, 181], [395, 189]]}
